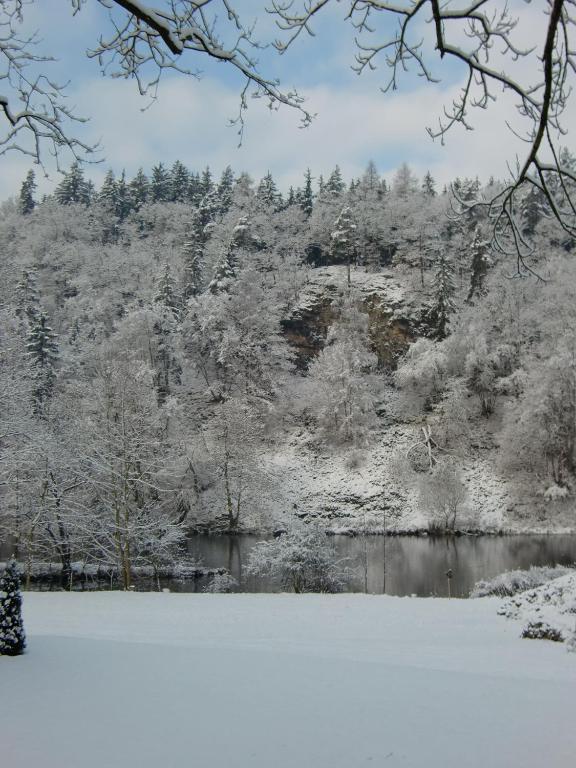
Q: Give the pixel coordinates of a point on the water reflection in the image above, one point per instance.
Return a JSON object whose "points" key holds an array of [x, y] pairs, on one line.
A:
{"points": [[401, 565]]}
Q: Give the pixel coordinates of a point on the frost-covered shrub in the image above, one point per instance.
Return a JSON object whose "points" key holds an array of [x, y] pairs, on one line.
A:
{"points": [[541, 630], [303, 558], [512, 582], [221, 583], [12, 636]]}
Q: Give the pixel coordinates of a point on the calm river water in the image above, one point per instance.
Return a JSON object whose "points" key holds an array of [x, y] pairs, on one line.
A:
{"points": [[400, 565]]}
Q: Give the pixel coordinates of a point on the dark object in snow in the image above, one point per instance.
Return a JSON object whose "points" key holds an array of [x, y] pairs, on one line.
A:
{"points": [[12, 636], [540, 630]]}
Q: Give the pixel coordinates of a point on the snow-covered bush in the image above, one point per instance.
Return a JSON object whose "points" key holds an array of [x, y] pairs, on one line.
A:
{"points": [[221, 583], [12, 636], [422, 375], [303, 558], [512, 582]]}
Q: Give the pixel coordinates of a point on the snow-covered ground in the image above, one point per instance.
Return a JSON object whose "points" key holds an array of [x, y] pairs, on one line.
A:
{"points": [[255, 681]]}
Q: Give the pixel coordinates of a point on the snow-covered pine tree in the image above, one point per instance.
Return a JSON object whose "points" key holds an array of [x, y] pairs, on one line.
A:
{"points": [[225, 188], [193, 258], [428, 185], [73, 188], [166, 293], [227, 267], [206, 183], [532, 209], [194, 189], [179, 182], [43, 352], [443, 289], [107, 194], [139, 190], [12, 635], [160, 185], [123, 198], [343, 238], [27, 298], [335, 185], [268, 194], [26, 202], [307, 197]]}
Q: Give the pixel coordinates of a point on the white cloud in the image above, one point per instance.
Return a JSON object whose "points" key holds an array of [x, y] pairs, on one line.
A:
{"points": [[355, 123]]}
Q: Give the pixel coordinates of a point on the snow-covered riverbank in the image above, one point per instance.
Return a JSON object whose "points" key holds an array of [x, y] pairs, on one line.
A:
{"points": [[253, 681]]}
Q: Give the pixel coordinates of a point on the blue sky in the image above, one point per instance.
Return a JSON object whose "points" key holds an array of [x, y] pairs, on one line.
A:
{"points": [[355, 121]]}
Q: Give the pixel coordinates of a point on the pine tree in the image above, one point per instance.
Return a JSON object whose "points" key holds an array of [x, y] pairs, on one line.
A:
{"points": [[405, 183], [160, 186], [343, 239], [26, 202], [73, 188], [291, 197], [307, 200], [43, 352], [370, 182], [206, 183], [268, 193], [532, 209], [193, 257], [166, 293], [428, 185], [108, 192], [27, 298], [225, 188], [194, 189], [179, 182], [123, 198], [335, 185], [12, 635], [227, 267], [139, 190], [443, 287]]}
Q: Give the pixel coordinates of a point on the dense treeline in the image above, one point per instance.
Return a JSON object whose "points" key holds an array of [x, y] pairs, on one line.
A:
{"points": [[149, 384]]}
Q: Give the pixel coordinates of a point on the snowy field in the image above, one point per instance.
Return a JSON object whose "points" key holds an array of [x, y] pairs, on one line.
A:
{"points": [[282, 681]]}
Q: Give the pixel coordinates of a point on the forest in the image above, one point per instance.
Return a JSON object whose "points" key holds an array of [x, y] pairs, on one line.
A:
{"points": [[190, 352]]}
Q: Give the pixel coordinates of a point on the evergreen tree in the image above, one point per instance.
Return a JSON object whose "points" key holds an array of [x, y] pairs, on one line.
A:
{"points": [[194, 189], [291, 197], [43, 352], [225, 188], [12, 635], [160, 186], [123, 198], [307, 199], [193, 257], [73, 188], [532, 209], [343, 239], [108, 192], [268, 193], [27, 298], [227, 268], [206, 183], [443, 287], [26, 202], [166, 293], [428, 185], [179, 182], [335, 185], [139, 190]]}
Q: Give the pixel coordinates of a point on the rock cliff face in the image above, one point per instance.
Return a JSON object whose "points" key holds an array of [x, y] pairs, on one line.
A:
{"points": [[395, 317]]}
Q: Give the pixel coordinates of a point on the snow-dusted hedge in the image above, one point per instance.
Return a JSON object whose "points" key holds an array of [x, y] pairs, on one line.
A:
{"points": [[512, 582]]}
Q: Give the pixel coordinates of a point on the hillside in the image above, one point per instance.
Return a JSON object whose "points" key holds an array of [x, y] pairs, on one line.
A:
{"points": [[180, 353]]}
